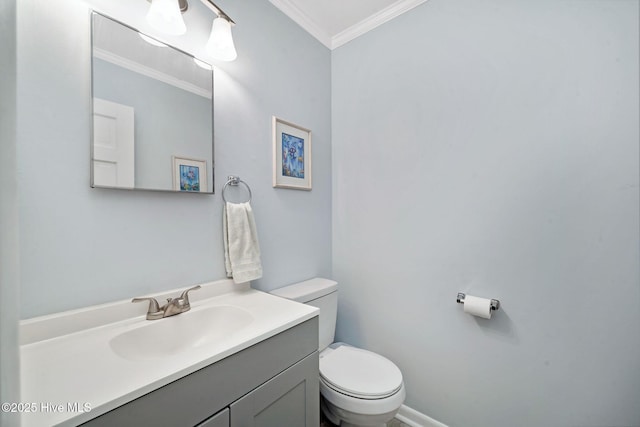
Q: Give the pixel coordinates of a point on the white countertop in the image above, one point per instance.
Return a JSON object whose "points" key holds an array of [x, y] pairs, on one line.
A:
{"points": [[67, 364]]}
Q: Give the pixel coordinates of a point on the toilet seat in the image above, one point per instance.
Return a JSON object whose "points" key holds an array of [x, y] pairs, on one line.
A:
{"points": [[359, 373]]}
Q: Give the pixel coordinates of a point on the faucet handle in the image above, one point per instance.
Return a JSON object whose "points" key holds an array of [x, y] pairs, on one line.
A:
{"points": [[154, 308], [185, 294]]}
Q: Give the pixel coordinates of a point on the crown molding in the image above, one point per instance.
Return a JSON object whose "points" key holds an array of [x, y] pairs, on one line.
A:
{"points": [[300, 18], [356, 30], [136, 67], [374, 21]]}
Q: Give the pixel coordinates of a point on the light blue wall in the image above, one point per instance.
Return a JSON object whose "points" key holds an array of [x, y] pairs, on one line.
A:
{"points": [[491, 147], [82, 246], [9, 217]]}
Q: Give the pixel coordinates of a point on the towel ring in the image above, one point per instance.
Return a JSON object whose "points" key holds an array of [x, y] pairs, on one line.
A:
{"points": [[235, 180]]}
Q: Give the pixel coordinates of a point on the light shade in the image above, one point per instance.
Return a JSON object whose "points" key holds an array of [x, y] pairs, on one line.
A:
{"points": [[165, 16], [220, 45]]}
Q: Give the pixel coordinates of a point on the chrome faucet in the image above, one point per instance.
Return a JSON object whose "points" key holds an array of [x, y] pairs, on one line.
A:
{"points": [[172, 307]]}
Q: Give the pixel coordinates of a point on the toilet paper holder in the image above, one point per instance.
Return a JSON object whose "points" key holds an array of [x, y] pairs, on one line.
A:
{"points": [[495, 304]]}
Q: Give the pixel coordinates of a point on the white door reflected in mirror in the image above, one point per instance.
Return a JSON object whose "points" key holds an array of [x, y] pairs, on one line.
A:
{"points": [[113, 144]]}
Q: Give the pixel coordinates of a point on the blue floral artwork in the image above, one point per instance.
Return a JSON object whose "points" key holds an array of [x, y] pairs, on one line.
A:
{"points": [[189, 178], [292, 156]]}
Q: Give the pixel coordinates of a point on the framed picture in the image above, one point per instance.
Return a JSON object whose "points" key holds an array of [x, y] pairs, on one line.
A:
{"points": [[291, 155], [189, 174]]}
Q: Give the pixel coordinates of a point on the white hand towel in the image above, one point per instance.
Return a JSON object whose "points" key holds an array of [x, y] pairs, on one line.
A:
{"points": [[241, 248]]}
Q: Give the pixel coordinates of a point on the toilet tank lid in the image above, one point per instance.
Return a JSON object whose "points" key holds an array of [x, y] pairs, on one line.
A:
{"points": [[308, 290]]}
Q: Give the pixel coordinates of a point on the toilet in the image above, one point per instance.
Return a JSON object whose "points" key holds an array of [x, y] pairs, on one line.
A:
{"points": [[358, 387]]}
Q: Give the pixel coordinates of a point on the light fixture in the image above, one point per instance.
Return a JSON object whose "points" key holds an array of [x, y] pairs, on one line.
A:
{"points": [[166, 17], [220, 45]]}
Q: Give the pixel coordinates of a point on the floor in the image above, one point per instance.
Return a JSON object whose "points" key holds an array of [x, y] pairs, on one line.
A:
{"points": [[393, 423]]}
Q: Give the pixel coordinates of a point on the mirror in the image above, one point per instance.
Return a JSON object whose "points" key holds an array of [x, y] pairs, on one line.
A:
{"points": [[152, 113]]}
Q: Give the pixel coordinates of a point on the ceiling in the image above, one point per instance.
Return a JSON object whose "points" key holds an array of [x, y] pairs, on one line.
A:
{"points": [[336, 22]]}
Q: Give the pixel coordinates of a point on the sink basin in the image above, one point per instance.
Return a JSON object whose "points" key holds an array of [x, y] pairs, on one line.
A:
{"points": [[176, 334]]}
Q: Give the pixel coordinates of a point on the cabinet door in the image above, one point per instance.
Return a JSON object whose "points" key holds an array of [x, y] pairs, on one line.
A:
{"points": [[221, 419], [291, 399]]}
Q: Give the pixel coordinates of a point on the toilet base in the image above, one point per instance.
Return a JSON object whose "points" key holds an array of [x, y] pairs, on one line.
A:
{"points": [[343, 418]]}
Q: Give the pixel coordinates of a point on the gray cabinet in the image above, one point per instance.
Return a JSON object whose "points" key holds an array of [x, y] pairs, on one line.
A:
{"points": [[283, 400], [271, 383]]}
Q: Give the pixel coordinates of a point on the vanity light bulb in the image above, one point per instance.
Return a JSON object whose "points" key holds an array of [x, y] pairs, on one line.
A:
{"points": [[165, 16], [220, 45]]}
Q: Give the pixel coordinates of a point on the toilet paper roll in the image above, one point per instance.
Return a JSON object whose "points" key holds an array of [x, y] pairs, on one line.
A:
{"points": [[480, 307]]}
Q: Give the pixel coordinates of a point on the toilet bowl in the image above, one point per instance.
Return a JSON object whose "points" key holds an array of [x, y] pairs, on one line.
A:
{"points": [[358, 387]]}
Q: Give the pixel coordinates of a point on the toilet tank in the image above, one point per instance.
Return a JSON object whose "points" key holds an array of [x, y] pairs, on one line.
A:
{"points": [[321, 293]]}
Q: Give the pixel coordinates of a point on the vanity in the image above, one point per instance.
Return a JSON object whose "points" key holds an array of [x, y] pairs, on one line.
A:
{"points": [[238, 357]]}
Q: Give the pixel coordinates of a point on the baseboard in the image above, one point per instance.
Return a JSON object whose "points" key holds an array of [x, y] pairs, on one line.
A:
{"points": [[416, 419]]}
